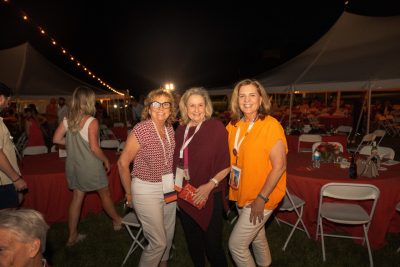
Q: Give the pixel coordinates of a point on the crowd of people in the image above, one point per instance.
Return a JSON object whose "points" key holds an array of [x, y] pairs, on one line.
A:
{"points": [[185, 169]]}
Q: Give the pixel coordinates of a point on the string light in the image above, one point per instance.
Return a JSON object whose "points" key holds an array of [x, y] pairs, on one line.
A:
{"points": [[63, 50]]}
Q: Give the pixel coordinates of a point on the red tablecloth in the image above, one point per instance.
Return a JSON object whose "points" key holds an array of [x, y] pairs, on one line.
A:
{"points": [[48, 190], [292, 141], [306, 183], [120, 132]]}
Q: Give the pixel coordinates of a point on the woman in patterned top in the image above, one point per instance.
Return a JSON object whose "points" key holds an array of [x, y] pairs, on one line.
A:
{"points": [[150, 146]]}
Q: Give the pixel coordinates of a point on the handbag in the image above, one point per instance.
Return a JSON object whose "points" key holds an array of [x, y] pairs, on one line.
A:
{"points": [[368, 168], [187, 193]]}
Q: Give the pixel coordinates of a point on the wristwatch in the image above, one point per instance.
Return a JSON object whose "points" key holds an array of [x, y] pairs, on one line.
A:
{"points": [[263, 198], [215, 181]]}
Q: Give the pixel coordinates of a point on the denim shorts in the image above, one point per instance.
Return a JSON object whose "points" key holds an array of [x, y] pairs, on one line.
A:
{"points": [[8, 197]]}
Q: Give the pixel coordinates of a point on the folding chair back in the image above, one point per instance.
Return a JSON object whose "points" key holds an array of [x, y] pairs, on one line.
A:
{"points": [[308, 138], [109, 144], [379, 133], [383, 152], [366, 140], [131, 222], [35, 150], [292, 203], [344, 129], [346, 213]]}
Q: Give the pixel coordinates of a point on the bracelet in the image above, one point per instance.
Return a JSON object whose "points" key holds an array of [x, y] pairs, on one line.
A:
{"points": [[263, 198], [215, 181]]}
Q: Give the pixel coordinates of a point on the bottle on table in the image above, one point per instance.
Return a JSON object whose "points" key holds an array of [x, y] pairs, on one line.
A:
{"points": [[353, 167], [316, 159]]}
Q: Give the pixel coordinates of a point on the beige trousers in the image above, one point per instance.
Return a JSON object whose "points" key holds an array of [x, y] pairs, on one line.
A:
{"points": [[157, 219], [245, 233]]}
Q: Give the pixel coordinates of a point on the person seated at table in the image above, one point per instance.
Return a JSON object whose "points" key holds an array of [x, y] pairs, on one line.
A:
{"points": [[33, 129], [22, 238], [86, 164]]}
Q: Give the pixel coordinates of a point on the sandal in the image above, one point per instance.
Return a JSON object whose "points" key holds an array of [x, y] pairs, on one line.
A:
{"points": [[117, 226], [79, 238]]}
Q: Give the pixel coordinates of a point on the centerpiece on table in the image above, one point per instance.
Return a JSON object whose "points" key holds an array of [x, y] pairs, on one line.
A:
{"points": [[329, 152]]}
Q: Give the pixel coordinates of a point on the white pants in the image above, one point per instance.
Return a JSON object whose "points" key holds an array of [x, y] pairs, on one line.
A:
{"points": [[245, 233], [157, 219]]}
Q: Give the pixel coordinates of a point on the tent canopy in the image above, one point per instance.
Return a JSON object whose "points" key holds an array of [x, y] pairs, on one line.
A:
{"points": [[30, 75], [357, 53]]}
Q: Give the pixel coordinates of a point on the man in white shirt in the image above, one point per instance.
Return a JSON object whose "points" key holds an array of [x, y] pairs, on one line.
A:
{"points": [[11, 181]]}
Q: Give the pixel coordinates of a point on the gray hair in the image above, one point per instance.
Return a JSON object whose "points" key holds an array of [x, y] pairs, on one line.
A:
{"points": [[27, 225], [185, 97]]}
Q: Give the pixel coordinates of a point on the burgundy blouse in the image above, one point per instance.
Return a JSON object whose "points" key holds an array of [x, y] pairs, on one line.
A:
{"points": [[208, 155]]}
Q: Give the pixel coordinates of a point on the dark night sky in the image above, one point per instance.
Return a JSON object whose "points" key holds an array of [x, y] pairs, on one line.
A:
{"points": [[140, 46]]}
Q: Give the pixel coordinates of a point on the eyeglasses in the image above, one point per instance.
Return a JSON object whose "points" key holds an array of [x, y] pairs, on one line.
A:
{"points": [[156, 104]]}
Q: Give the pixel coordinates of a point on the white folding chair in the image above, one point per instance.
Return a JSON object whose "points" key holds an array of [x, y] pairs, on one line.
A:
{"points": [[344, 130], [379, 133], [346, 213], [35, 150], [109, 144], [366, 140], [131, 221], [121, 146], [383, 152], [398, 209], [308, 138], [292, 203]]}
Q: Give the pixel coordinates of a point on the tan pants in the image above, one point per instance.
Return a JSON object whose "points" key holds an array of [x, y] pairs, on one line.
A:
{"points": [[157, 219], [245, 233]]}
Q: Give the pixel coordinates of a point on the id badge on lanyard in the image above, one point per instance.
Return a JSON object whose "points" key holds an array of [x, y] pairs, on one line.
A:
{"points": [[236, 172], [168, 188], [182, 172]]}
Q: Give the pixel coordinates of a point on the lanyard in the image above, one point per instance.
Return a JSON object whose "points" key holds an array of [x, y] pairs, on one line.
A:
{"points": [[237, 144], [186, 142], [162, 143]]}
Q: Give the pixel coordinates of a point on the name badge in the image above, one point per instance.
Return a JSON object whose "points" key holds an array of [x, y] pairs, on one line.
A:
{"points": [[234, 178], [180, 173], [168, 188]]}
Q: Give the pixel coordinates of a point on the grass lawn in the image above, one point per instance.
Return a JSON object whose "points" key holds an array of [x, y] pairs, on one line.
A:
{"points": [[104, 247]]}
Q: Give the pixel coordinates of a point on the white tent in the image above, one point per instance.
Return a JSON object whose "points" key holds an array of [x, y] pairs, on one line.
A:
{"points": [[357, 53], [31, 76]]}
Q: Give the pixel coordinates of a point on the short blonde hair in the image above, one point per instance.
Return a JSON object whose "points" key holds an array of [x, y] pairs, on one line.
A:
{"points": [[265, 106], [150, 98], [195, 91]]}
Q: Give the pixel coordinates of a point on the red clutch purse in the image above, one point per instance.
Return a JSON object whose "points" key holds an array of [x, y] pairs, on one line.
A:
{"points": [[187, 194]]}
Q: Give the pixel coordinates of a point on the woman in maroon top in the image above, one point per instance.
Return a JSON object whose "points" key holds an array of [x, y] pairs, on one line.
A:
{"points": [[202, 156]]}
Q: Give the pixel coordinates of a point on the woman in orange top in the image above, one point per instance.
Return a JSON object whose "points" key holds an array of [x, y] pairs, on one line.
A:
{"points": [[258, 150]]}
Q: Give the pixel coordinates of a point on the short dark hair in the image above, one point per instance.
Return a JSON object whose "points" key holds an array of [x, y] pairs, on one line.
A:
{"points": [[4, 90]]}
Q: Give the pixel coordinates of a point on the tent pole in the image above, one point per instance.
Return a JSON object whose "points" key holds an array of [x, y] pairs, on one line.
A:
{"points": [[369, 106], [290, 110]]}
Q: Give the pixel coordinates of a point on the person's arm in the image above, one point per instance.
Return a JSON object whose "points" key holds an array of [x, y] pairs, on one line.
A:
{"points": [[59, 134], [204, 190], [278, 162], [128, 154], [6, 167], [93, 134]]}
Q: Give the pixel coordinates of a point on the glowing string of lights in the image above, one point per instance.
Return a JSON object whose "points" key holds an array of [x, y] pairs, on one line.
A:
{"points": [[63, 50]]}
